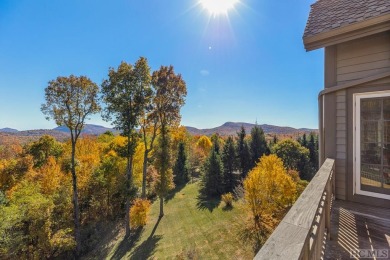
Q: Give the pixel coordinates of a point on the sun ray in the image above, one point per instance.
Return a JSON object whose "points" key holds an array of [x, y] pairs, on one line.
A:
{"points": [[217, 7]]}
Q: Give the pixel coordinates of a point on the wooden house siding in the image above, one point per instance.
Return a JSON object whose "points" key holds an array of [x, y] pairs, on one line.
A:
{"points": [[363, 57], [341, 144]]}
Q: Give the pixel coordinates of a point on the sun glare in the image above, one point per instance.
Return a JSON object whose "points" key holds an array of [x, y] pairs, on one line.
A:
{"points": [[217, 7]]}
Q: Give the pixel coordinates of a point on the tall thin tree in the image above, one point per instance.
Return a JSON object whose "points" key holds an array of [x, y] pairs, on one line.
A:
{"points": [[243, 153], [69, 101], [170, 93], [313, 151], [180, 169], [126, 93], [258, 144], [212, 180], [229, 164], [149, 129]]}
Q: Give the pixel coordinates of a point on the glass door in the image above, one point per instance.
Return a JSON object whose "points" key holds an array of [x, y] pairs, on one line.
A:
{"points": [[373, 153]]}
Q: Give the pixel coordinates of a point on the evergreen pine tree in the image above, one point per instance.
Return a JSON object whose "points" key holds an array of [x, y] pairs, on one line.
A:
{"points": [[216, 143], [304, 141], [229, 164], [212, 175], [258, 145], [313, 151], [244, 155], [180, 169], [275, 139]]}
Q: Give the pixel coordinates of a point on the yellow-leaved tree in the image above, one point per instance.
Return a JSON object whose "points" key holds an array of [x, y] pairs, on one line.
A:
{"points": [[138, 163], [269, 190], [204, 143]]}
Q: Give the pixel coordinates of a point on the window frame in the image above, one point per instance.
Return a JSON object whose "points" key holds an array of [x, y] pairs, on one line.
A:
{"points": [[357, 97]]}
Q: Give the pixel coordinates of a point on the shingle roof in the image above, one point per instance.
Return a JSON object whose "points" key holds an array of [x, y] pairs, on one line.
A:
{"points": [[327, 15]]}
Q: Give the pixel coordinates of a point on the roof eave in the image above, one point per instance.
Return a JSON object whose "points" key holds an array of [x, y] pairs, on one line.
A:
{"points": [[346, 33]]}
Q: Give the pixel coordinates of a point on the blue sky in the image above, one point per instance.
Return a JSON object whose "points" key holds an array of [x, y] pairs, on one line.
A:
{"points": [[247, 66]]}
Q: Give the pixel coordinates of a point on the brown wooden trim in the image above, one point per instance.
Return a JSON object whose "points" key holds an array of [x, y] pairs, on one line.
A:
{"points": [[354, 83], [347, 33], [321, 158], [329, 127]]}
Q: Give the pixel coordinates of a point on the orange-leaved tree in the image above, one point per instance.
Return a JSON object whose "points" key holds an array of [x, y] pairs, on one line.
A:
{"points": [[69, 102], [268, 191], [170, 93]]}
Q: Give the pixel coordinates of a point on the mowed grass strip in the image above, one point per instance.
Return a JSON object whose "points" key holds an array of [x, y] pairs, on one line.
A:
{"points": [[190, 224]]}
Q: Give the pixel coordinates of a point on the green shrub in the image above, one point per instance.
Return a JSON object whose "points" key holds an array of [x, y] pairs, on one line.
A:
{"points": [[228, 199]]}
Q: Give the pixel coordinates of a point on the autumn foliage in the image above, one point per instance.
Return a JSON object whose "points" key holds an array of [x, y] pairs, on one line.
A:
{"points": [[139, 212], [227, 198], [269, 190]]}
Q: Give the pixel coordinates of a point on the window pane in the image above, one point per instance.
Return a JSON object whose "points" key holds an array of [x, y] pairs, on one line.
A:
{"points": [[375, 144], [386, 108], [371, 109], [386, 134], [370, 175], [371, 153], [370, 131], [386, 177], [386, 154]]}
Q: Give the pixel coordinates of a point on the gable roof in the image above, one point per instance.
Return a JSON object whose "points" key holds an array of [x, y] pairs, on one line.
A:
{"points": [[327, 15]]}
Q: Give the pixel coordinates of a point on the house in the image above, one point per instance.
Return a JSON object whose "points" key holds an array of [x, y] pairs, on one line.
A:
{"points": [[354, 126]]}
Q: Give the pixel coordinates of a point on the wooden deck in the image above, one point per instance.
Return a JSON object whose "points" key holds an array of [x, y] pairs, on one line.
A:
{"points": [[357, 226]]}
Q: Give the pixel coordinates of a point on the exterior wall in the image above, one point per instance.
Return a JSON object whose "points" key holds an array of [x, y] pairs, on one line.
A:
{"points": [[379, 85], [363, 57], [335, 131], [344, 63], [334, 138]]}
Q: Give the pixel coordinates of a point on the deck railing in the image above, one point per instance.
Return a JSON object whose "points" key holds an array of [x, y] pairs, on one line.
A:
{"points": [[303, 231]]}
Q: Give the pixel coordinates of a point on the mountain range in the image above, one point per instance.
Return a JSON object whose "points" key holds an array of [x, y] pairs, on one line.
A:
{"points": [[231, 128], [89, 129], [228, 128]]}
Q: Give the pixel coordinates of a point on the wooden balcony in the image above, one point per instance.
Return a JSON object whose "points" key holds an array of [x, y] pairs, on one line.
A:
{"points": [[355, 226], [310, 231]]}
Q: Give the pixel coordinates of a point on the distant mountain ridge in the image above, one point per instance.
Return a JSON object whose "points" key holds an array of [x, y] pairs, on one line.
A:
{"points": [[8, 130], [89, 129], [231, 128], [61, 133], [228, 128], [32, 135]]}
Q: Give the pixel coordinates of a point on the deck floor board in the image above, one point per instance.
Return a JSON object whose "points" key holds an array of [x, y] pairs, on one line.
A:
{"points": [[357, 226]]}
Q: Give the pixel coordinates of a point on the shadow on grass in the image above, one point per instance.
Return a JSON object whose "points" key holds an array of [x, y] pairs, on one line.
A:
{"points": [[227, 208], [96, 238], [205, 202], [147, 248], [173, 192], [126, 244]]}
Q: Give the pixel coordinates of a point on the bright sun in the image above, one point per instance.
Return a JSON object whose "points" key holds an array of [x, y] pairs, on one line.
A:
{"points": [[216, 7]]}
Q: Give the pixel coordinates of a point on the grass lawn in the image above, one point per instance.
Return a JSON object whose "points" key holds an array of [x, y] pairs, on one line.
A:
{"points": [[190, 224]]}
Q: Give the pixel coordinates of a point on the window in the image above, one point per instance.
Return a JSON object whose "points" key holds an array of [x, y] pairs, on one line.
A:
{"points": [[372, 144]]}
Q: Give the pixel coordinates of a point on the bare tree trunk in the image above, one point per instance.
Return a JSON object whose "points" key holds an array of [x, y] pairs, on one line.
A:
{"points": [[128, 191], [145, 166], [161, 206], [76, 210]]}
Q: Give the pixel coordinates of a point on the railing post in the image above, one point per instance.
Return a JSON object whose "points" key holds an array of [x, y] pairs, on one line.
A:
{"points": [[328, 209], [333, 182]]}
